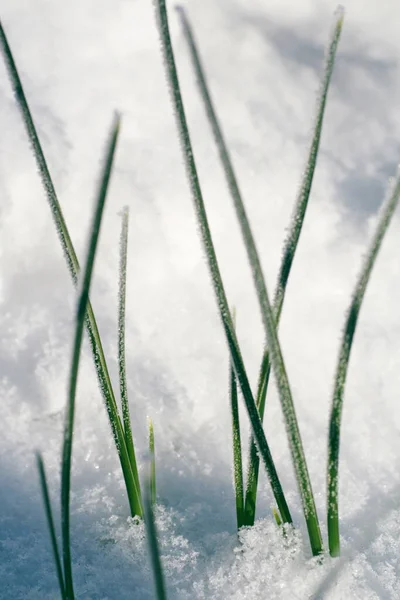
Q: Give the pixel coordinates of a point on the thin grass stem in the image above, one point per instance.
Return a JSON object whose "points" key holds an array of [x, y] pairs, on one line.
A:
{"points": [[253, 257], [73, 267], [172, 78], [335, 421], [236, 443], [73, 379], [152, 540], [50, 523], [290, 248], [126, 418]]}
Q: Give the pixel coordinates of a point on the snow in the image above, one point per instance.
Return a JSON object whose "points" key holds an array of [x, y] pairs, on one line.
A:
{"points": [[81, 60]]}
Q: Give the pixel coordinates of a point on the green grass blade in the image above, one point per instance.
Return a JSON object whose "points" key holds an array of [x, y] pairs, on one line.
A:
{"points": [[342, 368], [50, 522], [73, 266], [152, 541], [236, 356], [73, 379], [288, 255], [153, 489], [277, 517], [236, 442], [254, 459], [291, 243], [126, 418]]}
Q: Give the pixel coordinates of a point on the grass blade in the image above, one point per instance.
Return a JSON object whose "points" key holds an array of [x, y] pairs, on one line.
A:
{"points": [[50, 522], [73, 266], [153, 489], [172, 78], [291, 243], [152, 540], [73, 379], [288, 255], [342, 367], [236, 442], [126, 418]]}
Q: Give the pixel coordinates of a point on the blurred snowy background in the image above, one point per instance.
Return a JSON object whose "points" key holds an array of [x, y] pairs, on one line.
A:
{"points": [[80, 60]]}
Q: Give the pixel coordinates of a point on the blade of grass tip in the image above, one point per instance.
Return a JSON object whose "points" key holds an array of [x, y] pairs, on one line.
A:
{"points": [[153, 490], [252, 253], [342, 367], [236, 442], [50, 523], [152, 540], [289, 252], [126, 418], [236, 356], [73, 266], [277, 517], [73, 378]]}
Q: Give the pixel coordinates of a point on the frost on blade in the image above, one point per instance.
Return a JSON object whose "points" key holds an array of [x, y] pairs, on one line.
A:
{"points": [[308, 175], [384, 220]]}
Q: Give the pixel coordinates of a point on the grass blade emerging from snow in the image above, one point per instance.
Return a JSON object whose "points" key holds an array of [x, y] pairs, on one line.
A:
{"points": [[289, 252], [73, 379], [297, 221], [126, 418], [172, 78], [236, 442], [342, 366], [73, 266], [153, 489], [50, 522], [152, 541]]}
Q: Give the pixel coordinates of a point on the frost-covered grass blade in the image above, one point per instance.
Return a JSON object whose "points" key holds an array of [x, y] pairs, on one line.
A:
{"points": [[342, 367], [172, 78], [289, 253], [50, 523], [126, 418], [152, 540], [83, 299], [73, 266], [236, 443], [297, 221], [259, 281]]}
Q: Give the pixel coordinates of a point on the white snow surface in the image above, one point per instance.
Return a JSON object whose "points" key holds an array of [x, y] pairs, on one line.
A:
{"points": [[80, 60]]}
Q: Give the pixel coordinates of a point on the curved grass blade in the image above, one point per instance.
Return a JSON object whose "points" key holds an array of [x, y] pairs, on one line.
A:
{"points": [[342, 367], [73, 266], [290, 247], [236, 442], [126, 418], [152, 540], [50, 522], [153, 489], [254, 459], [172, 78], [73, 379], [297, 221]]}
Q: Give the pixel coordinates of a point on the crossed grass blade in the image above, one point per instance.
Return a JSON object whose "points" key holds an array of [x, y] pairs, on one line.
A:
{"points": [[83, 299], [335, 421], [50, 523], [289, 253], [73, 267], [291, 242], [172, 79], [126, 418]]}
